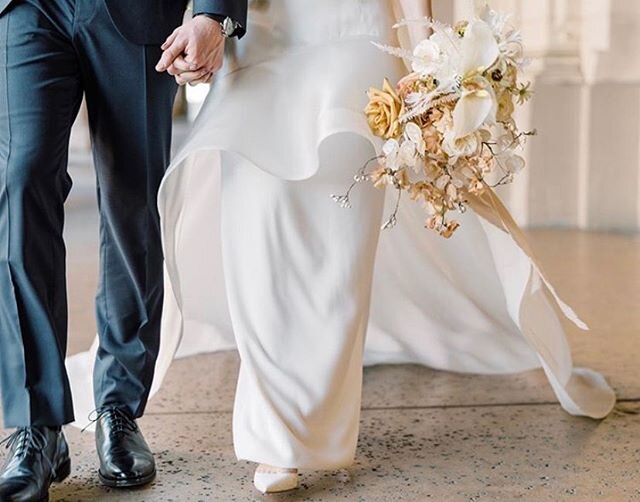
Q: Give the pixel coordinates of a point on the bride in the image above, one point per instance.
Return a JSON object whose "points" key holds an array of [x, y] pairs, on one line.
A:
{"points": [[259, 256]]}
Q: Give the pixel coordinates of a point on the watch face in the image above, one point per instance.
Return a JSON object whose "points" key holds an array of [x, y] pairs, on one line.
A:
{"points": [[228, 27]]}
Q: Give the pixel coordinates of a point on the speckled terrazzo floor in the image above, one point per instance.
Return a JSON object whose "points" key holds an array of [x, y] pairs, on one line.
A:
{"points": [[425, 435]]}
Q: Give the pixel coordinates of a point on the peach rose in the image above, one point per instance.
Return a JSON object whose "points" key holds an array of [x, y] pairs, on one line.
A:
{"points": [[384, 111]]}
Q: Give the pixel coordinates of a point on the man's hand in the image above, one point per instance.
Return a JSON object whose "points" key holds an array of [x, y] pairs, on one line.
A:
{"points": [[194, 51], [185, 74]]}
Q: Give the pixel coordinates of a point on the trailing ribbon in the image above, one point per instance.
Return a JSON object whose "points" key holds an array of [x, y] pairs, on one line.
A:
{"points": [[489, 207]]}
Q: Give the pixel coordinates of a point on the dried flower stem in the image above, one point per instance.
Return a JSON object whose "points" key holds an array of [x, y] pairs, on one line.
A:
{"points": [[393, 219], [361, 176]]}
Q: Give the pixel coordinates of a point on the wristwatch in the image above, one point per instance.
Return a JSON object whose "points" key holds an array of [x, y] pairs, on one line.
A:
{"points": [[229, 26]]}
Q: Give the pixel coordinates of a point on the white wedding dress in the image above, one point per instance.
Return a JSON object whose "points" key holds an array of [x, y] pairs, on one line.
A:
{"points": [[259, 256]]}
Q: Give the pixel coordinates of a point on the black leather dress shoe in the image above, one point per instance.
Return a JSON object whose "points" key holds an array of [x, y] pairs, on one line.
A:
{"points": [[125, 457], [38, 456]]}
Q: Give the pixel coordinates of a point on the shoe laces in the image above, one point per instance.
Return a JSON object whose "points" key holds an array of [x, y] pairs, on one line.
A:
{"points": [[118, 420], [26, 439], [29, 439]]}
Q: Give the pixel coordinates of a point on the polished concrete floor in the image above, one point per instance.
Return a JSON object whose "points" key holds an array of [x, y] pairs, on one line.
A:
{"points": [[425, 435]]}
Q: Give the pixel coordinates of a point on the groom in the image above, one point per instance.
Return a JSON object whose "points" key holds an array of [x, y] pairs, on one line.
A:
{"points": [[52, 52]]}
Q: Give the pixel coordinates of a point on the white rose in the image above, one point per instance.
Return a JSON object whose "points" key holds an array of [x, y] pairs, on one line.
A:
{"points": [[427, 57]]}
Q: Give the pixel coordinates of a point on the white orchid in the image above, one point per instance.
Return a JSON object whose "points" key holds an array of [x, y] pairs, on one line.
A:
{"points": [[479, 51], [479, 48], [465, 146], [399, 154]]}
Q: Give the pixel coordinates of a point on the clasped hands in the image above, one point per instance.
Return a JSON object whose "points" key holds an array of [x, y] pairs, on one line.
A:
{"points": [[194, 52]]}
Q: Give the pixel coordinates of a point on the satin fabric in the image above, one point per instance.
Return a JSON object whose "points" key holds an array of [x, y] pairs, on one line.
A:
{"points": [[473, 304], [298, 288]]}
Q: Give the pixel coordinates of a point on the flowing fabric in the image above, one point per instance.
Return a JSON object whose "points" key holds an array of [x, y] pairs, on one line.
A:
{"points": [[476, 303]]}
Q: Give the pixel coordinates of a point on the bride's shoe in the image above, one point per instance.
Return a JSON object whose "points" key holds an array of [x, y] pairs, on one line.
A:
{"points": [[268, 479]]}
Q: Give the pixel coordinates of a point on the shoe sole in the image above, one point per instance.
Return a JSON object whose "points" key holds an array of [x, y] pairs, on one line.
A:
{"points": [[62, 473], [126, 483]]}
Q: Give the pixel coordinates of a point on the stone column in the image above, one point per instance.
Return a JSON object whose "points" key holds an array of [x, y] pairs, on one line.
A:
{"points": [[549, 194], [611, 138]]}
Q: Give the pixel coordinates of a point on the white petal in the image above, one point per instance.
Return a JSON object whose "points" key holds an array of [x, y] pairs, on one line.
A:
{"points": [[413, 132], [390, 147], [429, 208], [446, 40], [442, 182], [426, 57], [408, 154], [471, 111], [515, 164], [391, 161], [468, 173], [479, 47], [458, 183], [505, 141]]}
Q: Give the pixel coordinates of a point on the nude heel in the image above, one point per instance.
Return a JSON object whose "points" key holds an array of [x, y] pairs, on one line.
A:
{"points": [[268, 479]]}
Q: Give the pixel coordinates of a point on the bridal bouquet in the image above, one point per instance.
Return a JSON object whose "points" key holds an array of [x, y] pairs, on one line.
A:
{"points": [[449, 125]]}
